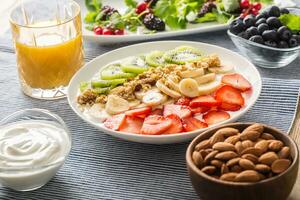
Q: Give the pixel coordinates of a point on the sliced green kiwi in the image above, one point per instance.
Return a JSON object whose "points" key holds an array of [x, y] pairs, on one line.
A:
{"points": [[134, 64], [114, 71], [107, 83], [155, 58], [182, 54]]}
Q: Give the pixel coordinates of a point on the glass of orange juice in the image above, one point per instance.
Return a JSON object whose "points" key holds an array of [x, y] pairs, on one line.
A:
{"points": [[48, 43]]}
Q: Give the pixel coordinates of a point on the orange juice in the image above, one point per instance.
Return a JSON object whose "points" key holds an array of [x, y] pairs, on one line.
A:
{"points": [[51, 62]]}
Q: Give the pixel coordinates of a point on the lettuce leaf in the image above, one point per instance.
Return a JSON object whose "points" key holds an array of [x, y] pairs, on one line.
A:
{"points": [[208, 17], [291, 21]]}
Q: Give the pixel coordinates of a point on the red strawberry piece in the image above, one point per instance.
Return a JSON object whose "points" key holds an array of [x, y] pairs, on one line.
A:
{"points": [[132, 125], [213, 117], [179, 110], [191, 124], [115, 121], [229, 95], [155, 125], [139, 112], [176, 124], [229, 107], [157, 111], [143, 116], [237, 81], [200, 109], [205, 100], [183, 101]]}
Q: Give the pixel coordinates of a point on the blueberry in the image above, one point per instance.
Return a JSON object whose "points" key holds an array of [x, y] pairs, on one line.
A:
{"points": [[249, 20], [297, 37], [284, 11], [257, 39], [283, 44], [271, 43], [284, 33], [252, 31], [244, 35], [270, 35], [293, 42], [265, 14], [274, 11], [273, 22], [260, 16], [262, 27], [236, 26], [260, 21]]}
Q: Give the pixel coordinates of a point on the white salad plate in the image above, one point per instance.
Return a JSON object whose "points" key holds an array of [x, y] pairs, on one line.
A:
{"points": [[130, 37], [241, 65]]}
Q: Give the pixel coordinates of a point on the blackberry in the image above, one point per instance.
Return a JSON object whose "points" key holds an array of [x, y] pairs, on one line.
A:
{"points": [[152, 22], [107, 11], [206, 8]]}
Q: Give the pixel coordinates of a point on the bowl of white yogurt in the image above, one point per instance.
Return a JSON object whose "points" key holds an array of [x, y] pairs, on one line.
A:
{"points": [[34, 144]]}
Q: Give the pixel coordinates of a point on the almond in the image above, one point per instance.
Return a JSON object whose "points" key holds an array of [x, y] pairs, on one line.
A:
{"points": [[262, 145], [252, 132], [252, 150], [227, 132], [216, 138], [209, 169], [246, 164], [226, 155], [216, 163], [247, 176], [250, 157], [284, 152], [203, 145], [261, 176], [276, 145], [205, 152], [239, 147], [268, 158], [197, 158], [232, 162], [210, 156], [267, 136], [247, 143], [224, 169], [232, 139], [236, 168], [229, 176], [280, 165], [223, 146], [262, 168]]}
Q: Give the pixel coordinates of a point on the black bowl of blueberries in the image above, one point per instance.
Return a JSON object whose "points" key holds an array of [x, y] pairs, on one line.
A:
{"points": [[264, 39]]}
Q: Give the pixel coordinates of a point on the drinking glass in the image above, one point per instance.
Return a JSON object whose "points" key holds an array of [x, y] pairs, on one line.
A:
{"points": [[48, 41]]}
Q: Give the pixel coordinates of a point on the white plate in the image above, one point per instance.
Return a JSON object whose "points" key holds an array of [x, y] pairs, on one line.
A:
{"points": [[120, 6], [241, 64]]}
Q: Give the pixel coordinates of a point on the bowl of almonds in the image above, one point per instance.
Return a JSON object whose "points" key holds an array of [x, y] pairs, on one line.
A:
{"points": [[248, 161]]}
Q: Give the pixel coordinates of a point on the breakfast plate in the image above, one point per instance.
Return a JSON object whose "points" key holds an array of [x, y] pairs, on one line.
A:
{"points": [[130, 37], [242, 68]]}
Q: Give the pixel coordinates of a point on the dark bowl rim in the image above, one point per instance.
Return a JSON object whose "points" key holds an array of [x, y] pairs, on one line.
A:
{"points": [[261, 45], [191, 164]]}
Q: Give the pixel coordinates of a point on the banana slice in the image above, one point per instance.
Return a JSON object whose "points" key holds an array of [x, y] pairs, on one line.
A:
{"points": [[189, 87], [221, 70], [173, 84], [154, 98], [140, 94], [116, 105], [205, 79], [134, 103], [191, 73], [97, 112], [209, 88], [172, 93]]}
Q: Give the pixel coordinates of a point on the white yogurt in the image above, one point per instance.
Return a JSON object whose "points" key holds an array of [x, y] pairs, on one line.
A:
{"points": [[31, 152]]}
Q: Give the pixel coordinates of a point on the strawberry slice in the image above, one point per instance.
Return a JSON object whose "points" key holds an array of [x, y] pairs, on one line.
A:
{"points": [[176, 124], [115, 121], [157, 111], [200, 109], [191, 124], [155, 125], [139, 112], [214, 116], [132, 125], [205, 100], [229, 107], [230, 95], [179, 110], [183, 101], [237, 81]]}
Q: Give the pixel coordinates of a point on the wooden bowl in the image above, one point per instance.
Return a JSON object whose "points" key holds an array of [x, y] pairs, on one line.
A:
{"points": [[274, 188]]}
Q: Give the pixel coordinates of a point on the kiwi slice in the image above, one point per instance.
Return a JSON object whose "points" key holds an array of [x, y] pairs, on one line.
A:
{"points": [[134, 64], [182, 54], [155, 58], [114, 71], [107, 83]]}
